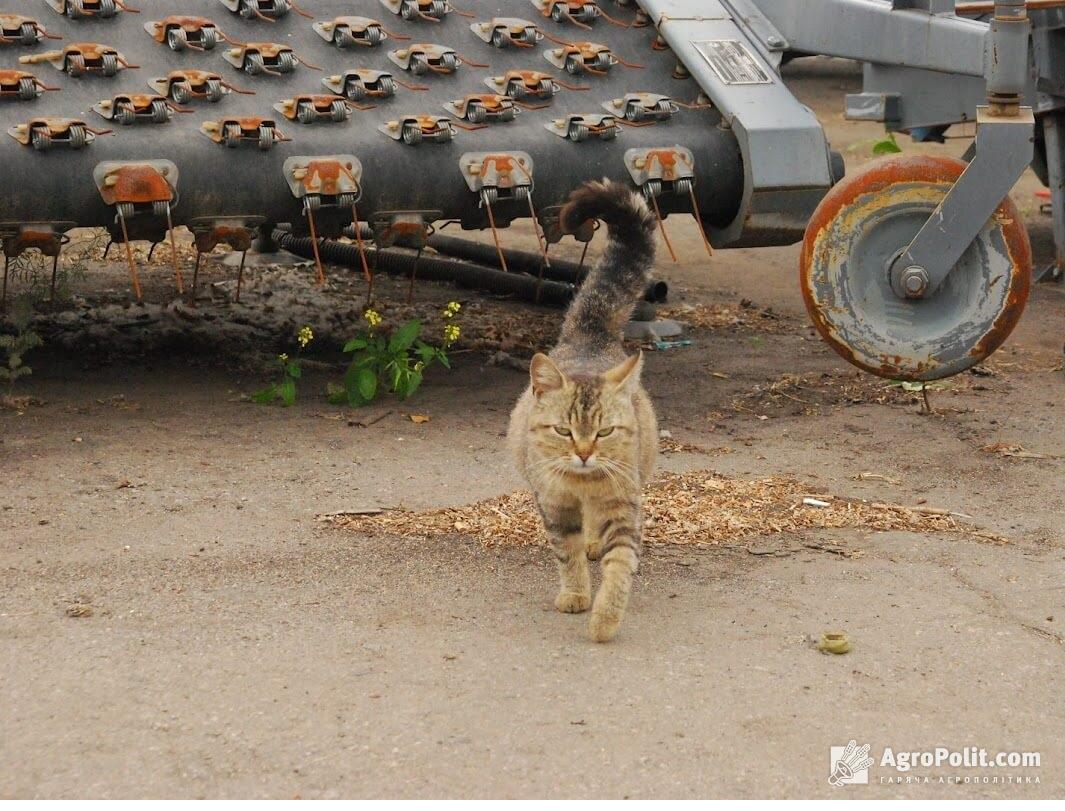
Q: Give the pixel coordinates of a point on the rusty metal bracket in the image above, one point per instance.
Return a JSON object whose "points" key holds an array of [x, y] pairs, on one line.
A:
{"points": [[21, 85], [45, 133], [580, 127], [508, 32], [333, 181], [232, 132], [46, 237], [147, 188], [642, 107], [271, 58], [480, 108], [238, 233], [181, 32], [666, 170], [83, 58], [137, 108]]}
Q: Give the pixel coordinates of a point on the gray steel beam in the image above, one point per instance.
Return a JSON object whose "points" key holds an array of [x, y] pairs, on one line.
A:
{"points": [[877, 31], [786, 162]]}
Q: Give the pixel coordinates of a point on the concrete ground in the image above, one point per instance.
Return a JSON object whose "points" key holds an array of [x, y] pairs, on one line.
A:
{"points": [[230, 645]]}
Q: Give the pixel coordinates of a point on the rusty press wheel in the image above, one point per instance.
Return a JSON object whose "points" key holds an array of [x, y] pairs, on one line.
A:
{"points": [[857, 232]]}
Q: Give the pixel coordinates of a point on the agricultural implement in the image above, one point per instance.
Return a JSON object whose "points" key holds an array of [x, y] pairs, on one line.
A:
{"points": [[915, 268]]}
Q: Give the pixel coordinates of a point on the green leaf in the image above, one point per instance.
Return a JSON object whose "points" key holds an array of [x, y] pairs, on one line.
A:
{"points": [[267, 395], [292, 369], [403, 337], [286, 390], [413, 382], [355, 343], [366, 384], [889, 146], [442, 357]]}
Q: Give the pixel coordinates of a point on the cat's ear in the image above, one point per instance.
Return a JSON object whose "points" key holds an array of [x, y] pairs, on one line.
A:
{"points": [[546, 376], [625, 374]]}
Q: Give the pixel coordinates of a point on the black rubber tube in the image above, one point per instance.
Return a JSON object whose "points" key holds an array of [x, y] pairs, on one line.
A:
{"points": [[560, 270], [397, 263]]}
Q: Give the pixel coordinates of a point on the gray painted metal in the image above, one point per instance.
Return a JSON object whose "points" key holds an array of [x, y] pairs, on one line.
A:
{"points": [[1003, 151], [785, 156], [875, 31], [1054, 132]]}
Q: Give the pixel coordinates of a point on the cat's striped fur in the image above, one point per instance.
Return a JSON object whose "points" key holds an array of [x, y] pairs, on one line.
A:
{"points": [[584, 432]]}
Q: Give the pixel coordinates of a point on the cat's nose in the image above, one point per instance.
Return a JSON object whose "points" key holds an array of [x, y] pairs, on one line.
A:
{"points": [[584, 455]]}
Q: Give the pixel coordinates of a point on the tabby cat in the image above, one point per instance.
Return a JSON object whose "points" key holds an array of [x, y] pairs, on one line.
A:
{"points": [[584, 432]]}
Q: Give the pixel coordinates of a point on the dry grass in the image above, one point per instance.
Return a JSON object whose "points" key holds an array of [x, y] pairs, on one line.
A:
{"points": [[700, 508], [742, 315]]}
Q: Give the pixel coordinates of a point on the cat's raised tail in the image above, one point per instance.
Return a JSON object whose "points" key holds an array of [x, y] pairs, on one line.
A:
{"points": [[612, 288]]}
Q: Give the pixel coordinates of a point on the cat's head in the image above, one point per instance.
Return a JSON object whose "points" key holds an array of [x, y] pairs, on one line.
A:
{"points": [[584, 424]]}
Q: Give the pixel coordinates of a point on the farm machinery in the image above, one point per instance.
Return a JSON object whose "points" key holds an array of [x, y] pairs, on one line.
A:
{"points": [[402, 114]]}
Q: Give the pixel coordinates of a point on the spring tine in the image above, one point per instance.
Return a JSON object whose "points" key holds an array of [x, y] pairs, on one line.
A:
{"points": [[467, 61], [55, 270], [610, 19], [366, 274], [129, 257], [662, 226], [413, 276], [577, 22], [314, 246], [173, 251], [301, 12], [305, 63], [699, 221], [495, 232], [196, 278], [240, 273]]}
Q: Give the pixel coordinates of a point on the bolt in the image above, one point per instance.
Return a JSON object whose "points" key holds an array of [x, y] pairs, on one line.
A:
{"points": [[914, 281], [775, 42]]}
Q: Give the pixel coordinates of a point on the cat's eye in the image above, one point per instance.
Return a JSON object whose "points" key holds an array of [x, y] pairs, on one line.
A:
{"points": [[605, 431], [562, 430]]}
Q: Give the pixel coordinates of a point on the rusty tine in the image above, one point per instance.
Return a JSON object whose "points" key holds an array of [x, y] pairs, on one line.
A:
{"points": [[236, 90], [314, 245], [467, 61], [196, 278], [610, 19], [3, 294], [495, 232], [129, 257], [173, 251], [410, 86], [699, 220], [362, 248], [55, 270], [301, 12], [662, 226], [394, 35], [305, 63], [413, 276], [240, 273]]}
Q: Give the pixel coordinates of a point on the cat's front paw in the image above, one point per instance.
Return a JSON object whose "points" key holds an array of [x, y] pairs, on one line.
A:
{"points": [[594, 550], [602, 627], [569, 602]]}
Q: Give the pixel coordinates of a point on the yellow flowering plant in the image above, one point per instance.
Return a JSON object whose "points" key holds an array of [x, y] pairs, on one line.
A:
{"points": [[285, 388], [396, 362]]}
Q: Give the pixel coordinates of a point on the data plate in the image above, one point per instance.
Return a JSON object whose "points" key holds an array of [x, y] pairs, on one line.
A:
{"points": [[731, 60]]}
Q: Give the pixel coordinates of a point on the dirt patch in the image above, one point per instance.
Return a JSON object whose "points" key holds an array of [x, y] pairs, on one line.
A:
{"points": [[698, 508]]}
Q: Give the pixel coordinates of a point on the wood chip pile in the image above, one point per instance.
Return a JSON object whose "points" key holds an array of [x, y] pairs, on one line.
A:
{"points": [[699, 508]]}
